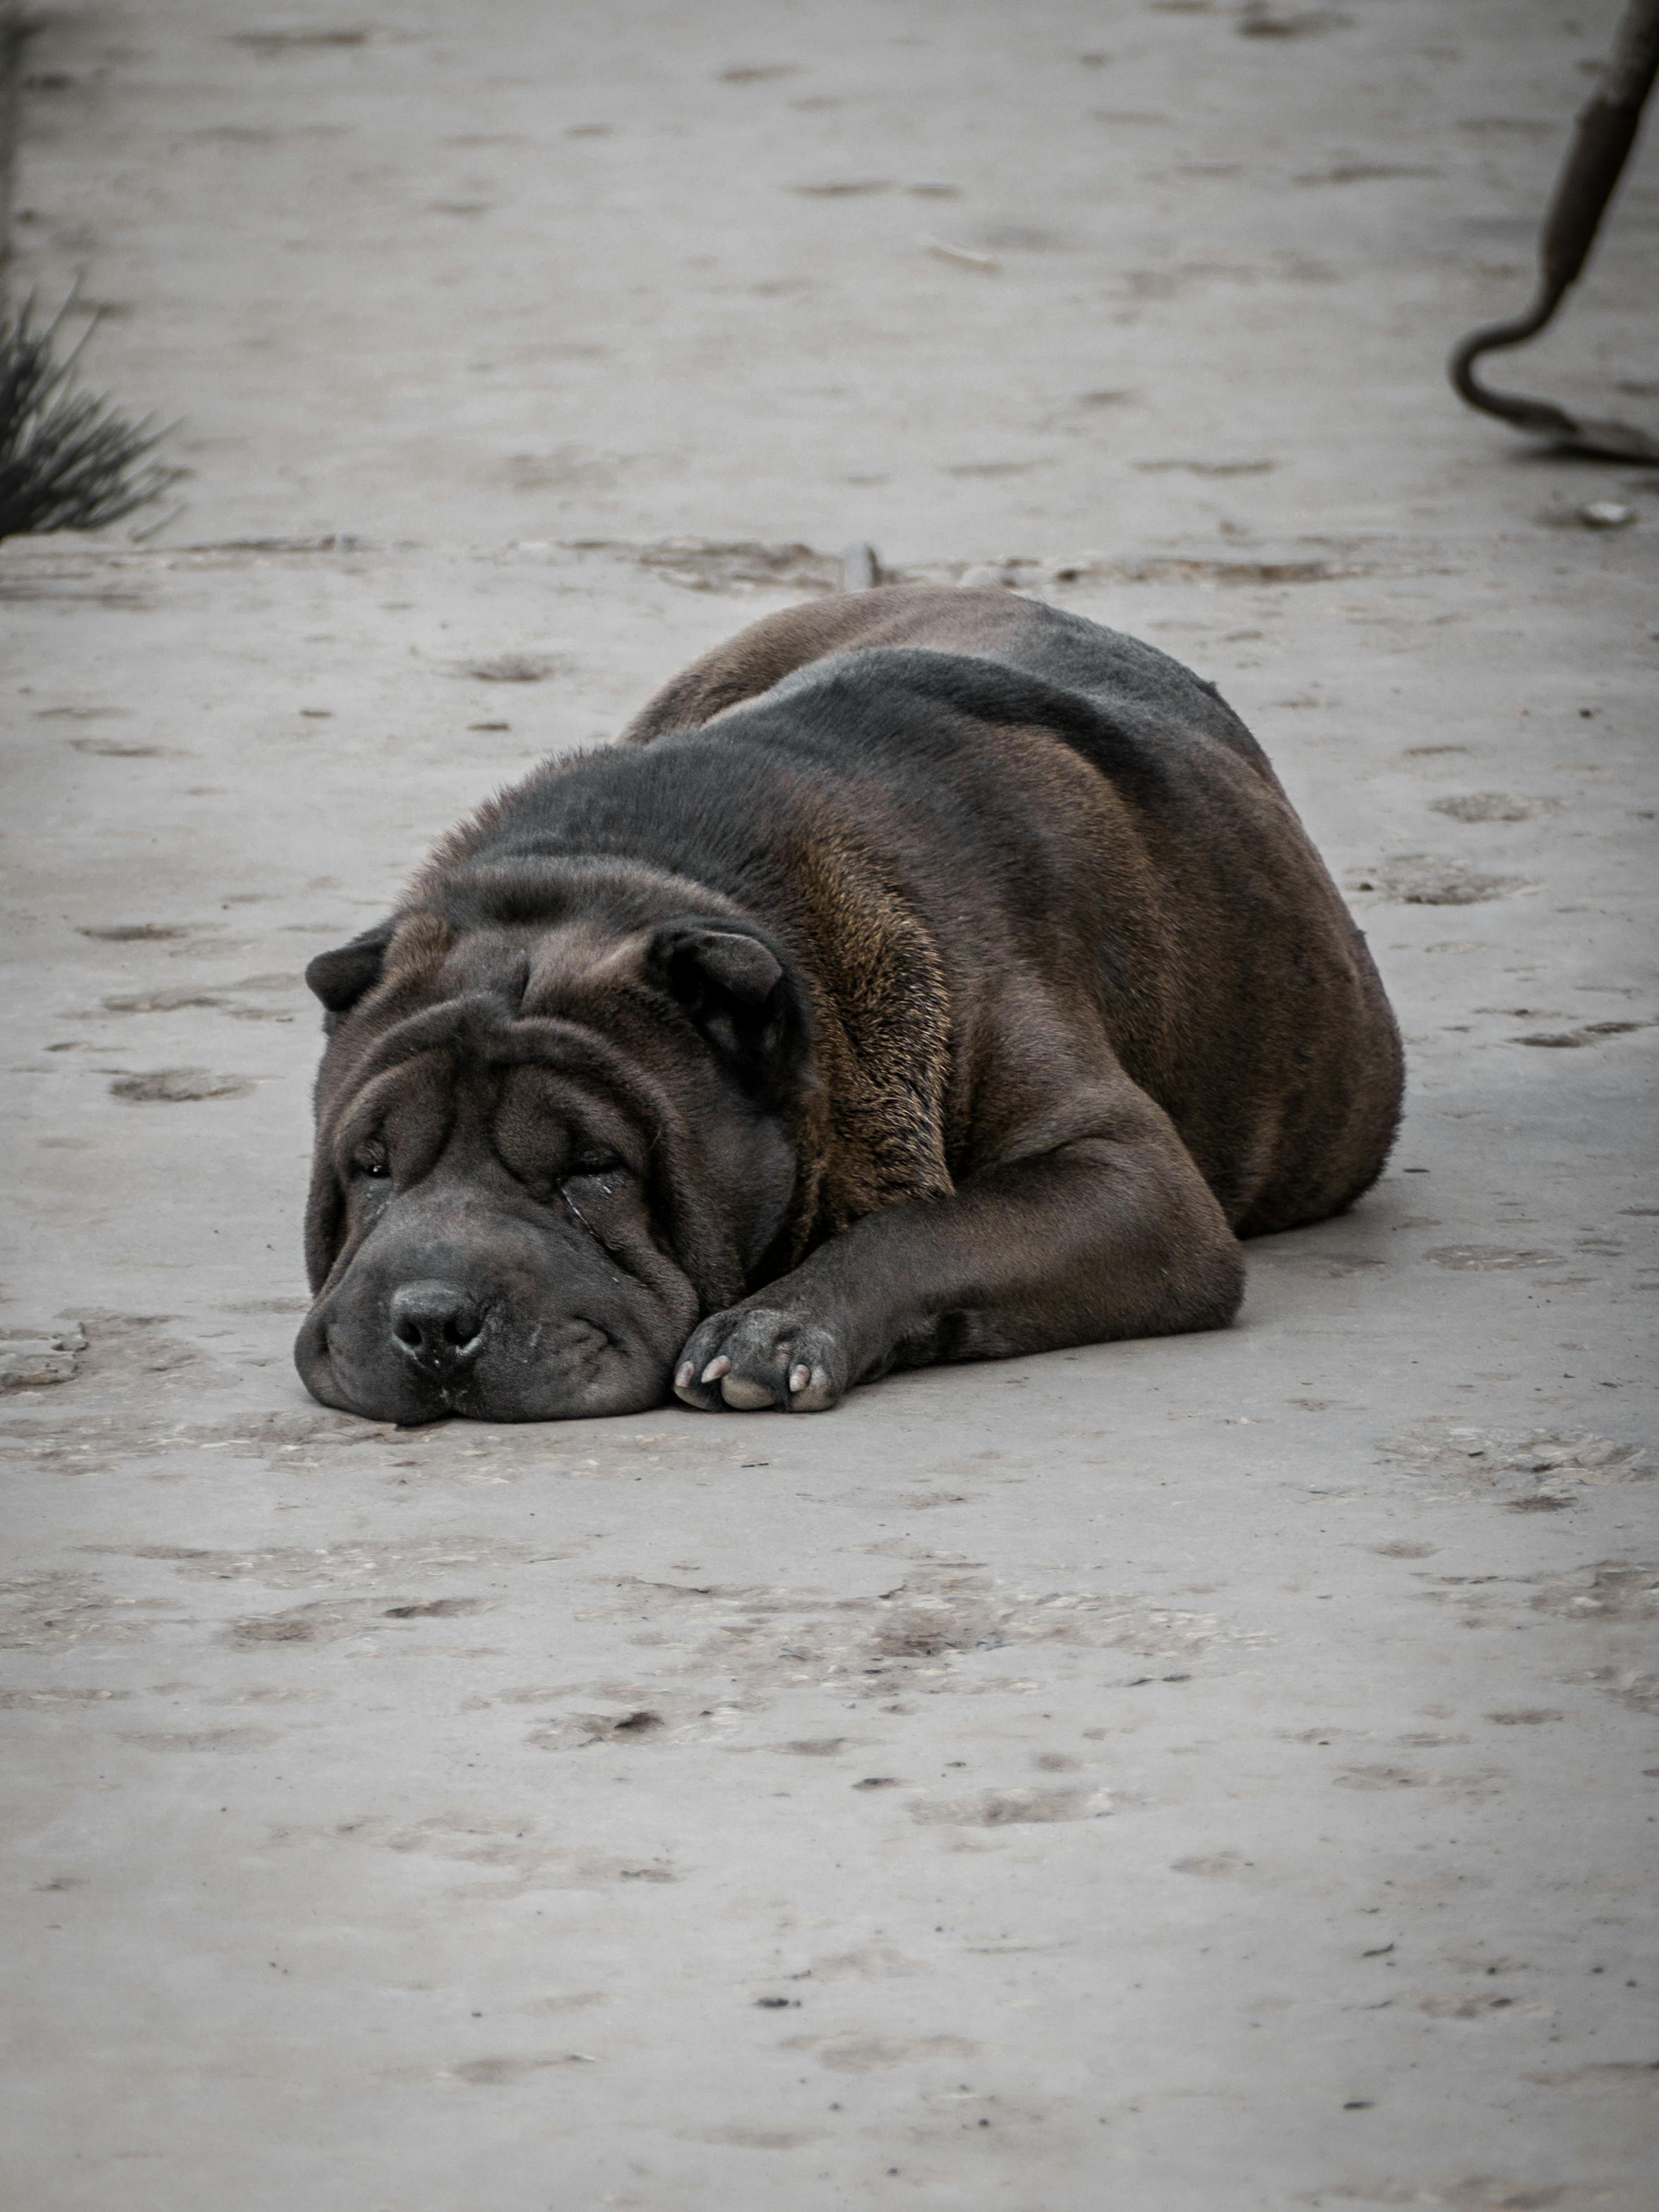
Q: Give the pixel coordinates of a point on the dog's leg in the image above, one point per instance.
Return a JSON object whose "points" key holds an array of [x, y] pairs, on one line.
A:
{"points": [[1107, 1231]]}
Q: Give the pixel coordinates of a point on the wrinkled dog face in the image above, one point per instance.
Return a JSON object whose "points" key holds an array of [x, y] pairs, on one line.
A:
{"points": [[499, 1256], [539, 1161]]}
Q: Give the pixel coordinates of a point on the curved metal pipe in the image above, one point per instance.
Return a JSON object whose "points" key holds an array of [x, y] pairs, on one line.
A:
{"points": [[1602, 138]]}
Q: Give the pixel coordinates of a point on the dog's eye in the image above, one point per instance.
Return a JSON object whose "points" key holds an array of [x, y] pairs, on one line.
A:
{"points": [[370, 1160], [594, 1164]]}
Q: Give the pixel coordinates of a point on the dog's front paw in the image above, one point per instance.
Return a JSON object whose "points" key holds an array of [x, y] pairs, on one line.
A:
{"points": [[756, 1356]]}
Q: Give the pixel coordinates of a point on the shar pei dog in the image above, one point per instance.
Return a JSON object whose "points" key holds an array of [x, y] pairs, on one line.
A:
{"points": [[926, 974]]}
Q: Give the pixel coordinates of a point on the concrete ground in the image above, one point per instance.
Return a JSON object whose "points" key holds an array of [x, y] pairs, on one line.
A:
{"points": [[1106, 1780]]}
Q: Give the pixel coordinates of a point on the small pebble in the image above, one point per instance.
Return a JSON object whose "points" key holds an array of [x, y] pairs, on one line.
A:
{"points": [[1606, 515]]}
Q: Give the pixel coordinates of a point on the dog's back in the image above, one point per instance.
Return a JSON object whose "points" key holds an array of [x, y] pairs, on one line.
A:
{"points": [[1245, 1001]]}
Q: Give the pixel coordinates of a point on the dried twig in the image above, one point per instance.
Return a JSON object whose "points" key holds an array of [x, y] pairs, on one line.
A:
{"points": [[966, 257]]}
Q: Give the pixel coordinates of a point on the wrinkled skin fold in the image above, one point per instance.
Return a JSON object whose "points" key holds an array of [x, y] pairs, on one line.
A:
{"points": [[926, 976]]}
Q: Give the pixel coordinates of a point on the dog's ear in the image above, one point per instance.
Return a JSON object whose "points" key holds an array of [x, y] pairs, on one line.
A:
{"points": [[740, 989], [324, 1220], [340, 978]]}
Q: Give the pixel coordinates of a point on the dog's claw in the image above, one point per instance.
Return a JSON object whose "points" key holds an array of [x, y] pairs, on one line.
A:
{"points": [[716, 1367]]}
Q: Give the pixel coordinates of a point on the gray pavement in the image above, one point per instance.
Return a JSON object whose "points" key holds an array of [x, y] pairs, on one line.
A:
{"points": [[1191, 1776]]}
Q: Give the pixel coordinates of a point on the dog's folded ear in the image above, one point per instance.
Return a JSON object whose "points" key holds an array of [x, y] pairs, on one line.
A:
{"points": [[740, 986], [340, 978]]}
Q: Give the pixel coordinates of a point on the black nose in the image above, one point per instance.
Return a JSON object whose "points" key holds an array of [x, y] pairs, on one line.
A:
{"points": [[436, 1325]]}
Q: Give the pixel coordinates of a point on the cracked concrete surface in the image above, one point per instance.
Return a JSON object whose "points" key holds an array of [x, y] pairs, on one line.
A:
{"points": [[1219, 1772]]}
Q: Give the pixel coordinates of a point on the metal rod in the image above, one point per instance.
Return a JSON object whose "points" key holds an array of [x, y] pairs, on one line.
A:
{"points": [[1602, 138]]}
